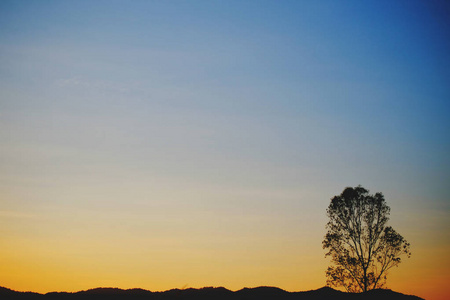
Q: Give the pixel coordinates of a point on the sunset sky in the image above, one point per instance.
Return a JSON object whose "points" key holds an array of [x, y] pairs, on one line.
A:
{"points": [[175, 144]]}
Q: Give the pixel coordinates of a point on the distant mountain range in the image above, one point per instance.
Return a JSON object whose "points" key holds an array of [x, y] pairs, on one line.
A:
{"points": [[210, 293]]}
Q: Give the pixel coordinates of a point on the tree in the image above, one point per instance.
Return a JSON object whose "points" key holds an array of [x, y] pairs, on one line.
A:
{"points": [[361, 246]]}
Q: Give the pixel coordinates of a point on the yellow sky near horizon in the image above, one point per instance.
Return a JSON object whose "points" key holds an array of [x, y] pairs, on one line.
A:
{"points": [[72, 251]]}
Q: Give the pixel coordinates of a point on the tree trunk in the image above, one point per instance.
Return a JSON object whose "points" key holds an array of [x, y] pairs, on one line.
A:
{"points": [[365, 280]]}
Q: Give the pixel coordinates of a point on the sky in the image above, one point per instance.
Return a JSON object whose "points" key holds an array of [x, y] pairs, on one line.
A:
{"points": [[174, 144]]}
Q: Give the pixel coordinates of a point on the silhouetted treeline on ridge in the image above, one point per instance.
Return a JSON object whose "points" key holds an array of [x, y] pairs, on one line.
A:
{"points": [[210, 293]]}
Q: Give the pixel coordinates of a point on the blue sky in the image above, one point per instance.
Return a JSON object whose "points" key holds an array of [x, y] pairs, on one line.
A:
{"points": [[255, 108], [358, 83]]}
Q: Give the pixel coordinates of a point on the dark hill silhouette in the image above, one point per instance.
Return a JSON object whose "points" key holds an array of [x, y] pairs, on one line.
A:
{"points": [[324, 293], [208, 293]]}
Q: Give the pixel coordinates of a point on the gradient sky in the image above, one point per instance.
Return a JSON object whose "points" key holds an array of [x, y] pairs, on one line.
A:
{"points": [[170, 144]]}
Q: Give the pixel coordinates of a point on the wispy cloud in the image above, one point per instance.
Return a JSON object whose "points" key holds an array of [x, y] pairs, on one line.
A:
{"points": [[96, 84], [9, 214]]}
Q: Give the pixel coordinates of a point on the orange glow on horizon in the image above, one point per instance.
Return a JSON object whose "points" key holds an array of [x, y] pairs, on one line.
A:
{"points": [[71, 266]]}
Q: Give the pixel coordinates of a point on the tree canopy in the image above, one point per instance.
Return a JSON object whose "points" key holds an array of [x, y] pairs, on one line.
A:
{"points": [[361, 246]]}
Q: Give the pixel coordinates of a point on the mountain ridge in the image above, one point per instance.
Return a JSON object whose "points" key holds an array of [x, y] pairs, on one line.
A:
{"points": [[217, 293]]}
